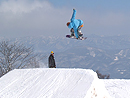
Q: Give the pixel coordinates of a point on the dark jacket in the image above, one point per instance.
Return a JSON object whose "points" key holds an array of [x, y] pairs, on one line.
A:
{"points": [[51, 61]]}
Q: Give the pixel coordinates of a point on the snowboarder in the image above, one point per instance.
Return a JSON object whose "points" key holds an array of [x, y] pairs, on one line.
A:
{"points": [[51, 60], [75, 25]]}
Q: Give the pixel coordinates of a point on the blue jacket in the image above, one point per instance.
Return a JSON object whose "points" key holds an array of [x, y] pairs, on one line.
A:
{"points": [[75, 23]]}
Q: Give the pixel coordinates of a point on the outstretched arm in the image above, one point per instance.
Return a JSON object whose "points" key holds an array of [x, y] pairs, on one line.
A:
{"points": [[73, 15]]}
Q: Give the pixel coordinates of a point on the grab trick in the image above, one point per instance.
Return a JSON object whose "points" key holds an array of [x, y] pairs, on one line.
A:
{"points": [[75, 26]]}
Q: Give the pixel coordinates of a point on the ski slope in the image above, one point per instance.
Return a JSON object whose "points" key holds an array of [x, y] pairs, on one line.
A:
{"points": [[52, 83]]}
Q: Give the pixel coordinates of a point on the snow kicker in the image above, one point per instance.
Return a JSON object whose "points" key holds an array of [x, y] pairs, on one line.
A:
{"points": [[52, 83]]}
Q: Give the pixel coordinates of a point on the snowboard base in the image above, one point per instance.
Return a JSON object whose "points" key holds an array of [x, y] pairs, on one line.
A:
{"points": [[73, 37]]}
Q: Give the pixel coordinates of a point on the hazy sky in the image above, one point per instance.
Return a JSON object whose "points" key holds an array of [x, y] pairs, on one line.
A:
{"points": [[20, 18]]}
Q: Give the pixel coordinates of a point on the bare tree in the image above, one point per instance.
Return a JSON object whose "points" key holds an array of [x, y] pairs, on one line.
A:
{"points": [[100, 76], [16, 56]]}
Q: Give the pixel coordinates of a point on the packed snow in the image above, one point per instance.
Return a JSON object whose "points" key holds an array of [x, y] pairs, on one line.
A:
{"points": [[118, 88], [52, 83], [60, 83]]}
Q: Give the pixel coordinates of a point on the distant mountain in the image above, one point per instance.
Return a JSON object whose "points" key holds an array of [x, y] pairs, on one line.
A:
{"points": [[60, 44], [116, 63], [108, 54]]}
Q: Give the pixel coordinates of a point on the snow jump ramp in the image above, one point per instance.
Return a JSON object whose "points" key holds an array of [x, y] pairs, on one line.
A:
{"points": [[52, 83]]}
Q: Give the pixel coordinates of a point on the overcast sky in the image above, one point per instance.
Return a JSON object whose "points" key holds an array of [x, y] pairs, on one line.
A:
{"points": [[20, 18]]}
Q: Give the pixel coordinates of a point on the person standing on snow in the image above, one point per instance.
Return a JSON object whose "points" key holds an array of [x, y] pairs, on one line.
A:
{"points": [[51, 60], [75, 25]]}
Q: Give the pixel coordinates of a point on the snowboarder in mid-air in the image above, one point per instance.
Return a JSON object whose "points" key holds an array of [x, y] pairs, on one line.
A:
{"points": [[75, 25], [51, 60]]}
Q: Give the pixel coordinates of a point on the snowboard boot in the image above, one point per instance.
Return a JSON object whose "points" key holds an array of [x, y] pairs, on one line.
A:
{"points": [[72, 33], [80, 35]]}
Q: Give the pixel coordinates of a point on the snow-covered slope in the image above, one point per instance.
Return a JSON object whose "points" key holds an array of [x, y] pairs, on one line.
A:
{"points": [[118, 88], [52, 83]]}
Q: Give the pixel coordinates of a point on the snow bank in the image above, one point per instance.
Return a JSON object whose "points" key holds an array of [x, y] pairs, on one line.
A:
{"points": [[52, 83], [118, 88], [97, 90]]}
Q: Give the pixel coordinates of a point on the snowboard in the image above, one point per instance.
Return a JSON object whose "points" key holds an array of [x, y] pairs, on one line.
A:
{"points": [[73, 37]]}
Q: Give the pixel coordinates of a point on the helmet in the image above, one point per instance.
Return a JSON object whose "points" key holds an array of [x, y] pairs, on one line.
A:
{"points": [[52, 52], [68, 23]]}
